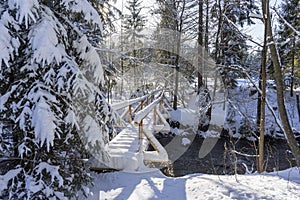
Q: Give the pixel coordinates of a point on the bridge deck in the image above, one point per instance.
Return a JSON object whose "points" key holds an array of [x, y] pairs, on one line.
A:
{"points": [[129, 152], [124, 148]]}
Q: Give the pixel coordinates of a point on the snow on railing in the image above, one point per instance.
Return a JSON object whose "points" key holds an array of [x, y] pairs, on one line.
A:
{"points": [[140, 115], [124, 104]]}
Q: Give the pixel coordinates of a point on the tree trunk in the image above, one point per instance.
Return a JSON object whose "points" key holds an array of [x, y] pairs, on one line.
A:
{"points": [[175, 100], [262, 106], [293, 67], [200, 44], [178, 40], [280, 93], [217, 47], [206, 25], [258, 109]]}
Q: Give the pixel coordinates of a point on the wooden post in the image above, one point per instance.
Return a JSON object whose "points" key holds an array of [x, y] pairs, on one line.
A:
{"points": [[154, 116], [298, 106], [136, 109], [152, 143], [140, 136], [130, 113], [141, 130], [161, 102]]}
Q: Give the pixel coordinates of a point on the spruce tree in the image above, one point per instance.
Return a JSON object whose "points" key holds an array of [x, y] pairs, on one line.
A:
{"points": [[230, 44], [52, 112], [289, 46], [133, 24]]}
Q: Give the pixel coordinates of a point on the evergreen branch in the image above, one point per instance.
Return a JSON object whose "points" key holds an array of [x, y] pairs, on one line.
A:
{"points": [[242, 34], [286, 22]]}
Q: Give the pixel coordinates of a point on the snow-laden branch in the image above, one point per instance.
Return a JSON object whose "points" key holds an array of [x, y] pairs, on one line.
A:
{"points": [[27, 11], [256, 16], [259, 90], [243, 154], [243, 34], [84, 7], [287, 23]]}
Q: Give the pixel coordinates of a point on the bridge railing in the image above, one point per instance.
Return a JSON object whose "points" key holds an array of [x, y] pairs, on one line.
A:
{"points": [[130, 110], [138, 109], [140, 115]]}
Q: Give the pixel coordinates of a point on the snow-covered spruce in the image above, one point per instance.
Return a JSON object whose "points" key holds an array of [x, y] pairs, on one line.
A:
{"points": [[50, 102]]}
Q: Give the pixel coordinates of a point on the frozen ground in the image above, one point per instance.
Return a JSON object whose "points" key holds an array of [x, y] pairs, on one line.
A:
{"points": [[154, 185]]}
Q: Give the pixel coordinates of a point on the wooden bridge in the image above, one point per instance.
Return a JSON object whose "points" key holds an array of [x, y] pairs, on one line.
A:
{"points": [[140, 118]]}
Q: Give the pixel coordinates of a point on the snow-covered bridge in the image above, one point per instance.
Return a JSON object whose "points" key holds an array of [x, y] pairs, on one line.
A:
{"points": [[141, 118]]}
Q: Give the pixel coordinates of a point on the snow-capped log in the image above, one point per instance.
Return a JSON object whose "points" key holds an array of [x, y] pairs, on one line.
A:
{"points": [[124, 104], [140, 115]]}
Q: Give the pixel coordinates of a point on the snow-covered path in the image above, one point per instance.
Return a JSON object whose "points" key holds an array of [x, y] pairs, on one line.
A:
{"points": [[154, 185]]}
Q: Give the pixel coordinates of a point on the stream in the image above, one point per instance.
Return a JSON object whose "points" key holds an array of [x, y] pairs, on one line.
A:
{"points": [[222, 159]]}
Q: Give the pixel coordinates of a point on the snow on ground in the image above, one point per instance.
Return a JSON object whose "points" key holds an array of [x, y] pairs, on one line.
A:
{"points": [[185, 116], [154, 185], [218, 111], [244, 98], [185, 141], [189, 116]]}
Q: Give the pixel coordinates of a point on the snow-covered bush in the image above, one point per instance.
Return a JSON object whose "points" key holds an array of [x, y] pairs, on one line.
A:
{"points": [[241, 107], [50, 76], [241, 110]]}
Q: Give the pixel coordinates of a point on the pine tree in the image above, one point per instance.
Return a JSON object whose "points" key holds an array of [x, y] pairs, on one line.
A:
{"points": [[230, 44], [52, 111], [173, 17], [134, 23], [289, 49]]}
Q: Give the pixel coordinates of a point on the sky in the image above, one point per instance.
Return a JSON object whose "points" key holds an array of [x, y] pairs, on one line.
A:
{"points": [[255, 31]]}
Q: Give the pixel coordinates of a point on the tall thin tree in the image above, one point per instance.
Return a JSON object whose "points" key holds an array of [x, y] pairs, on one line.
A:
{"points": [[292, 142], [263, 77]]}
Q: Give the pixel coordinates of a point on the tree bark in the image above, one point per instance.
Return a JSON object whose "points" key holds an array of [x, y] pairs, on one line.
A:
{"points": [[292, 142], [217, 47], [200, 44], [258, 109], [206, 25], [263, 94], [293, 68], [179, 25]]}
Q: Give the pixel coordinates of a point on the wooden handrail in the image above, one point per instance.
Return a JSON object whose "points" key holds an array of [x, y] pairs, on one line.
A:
{"points": [[140, 115], [124, 104]]}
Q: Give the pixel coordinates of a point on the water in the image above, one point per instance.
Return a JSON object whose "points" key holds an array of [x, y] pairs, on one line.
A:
{"points": [[223, 159]]}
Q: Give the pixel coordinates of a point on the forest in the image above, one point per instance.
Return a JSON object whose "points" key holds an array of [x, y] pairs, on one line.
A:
{"points": [[76, 75]]}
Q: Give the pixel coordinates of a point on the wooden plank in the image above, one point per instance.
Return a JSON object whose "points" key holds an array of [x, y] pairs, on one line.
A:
{"points": [[152, 143], [130, 113]]}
